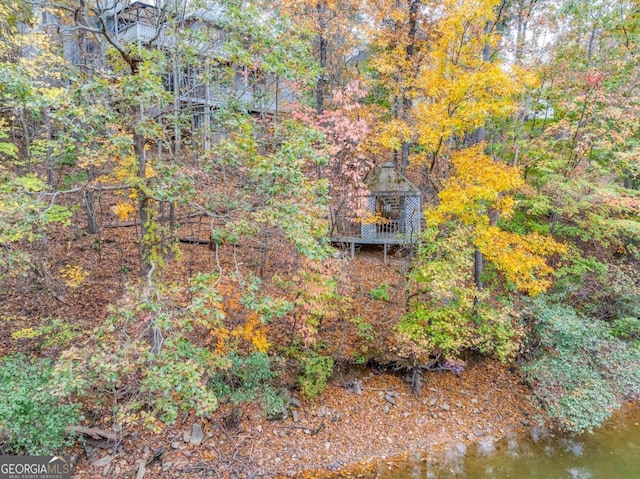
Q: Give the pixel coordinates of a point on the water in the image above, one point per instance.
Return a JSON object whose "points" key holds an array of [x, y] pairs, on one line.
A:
{"points": [[612, 452]]}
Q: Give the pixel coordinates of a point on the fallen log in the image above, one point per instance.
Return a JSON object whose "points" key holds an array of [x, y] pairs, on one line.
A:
{"points": [[96, 437], [194, 240]]}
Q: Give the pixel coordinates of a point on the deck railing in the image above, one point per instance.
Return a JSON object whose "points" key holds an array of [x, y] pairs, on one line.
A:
{"points": [[343, 226], [144, 32], [138, 32], [215, 95], [391, 231], [212, 95], [390, 228]]}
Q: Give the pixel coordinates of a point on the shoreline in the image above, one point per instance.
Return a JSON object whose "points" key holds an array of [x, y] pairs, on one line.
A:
{"points": [[341, 432], [506, 452]]}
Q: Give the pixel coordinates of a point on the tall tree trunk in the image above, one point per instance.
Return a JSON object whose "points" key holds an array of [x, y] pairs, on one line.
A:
{"points": [[322, 45], [177, 133], [89, 204], [51, 178], [406, 100], [24, 123], [592, 41], [522, 22], [478, 265], [145, 205], [480, 135], [172, 217]]}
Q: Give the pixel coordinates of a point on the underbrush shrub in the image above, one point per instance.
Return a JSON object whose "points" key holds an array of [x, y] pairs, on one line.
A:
{"points": [[446, 315], [138, 386], [177, 381], [460, 326], [627, 328], [316, 369], [581, 370], [35, 407], [156, 359], [147, 365], [54, 333], [247, 378], [381, 293]]}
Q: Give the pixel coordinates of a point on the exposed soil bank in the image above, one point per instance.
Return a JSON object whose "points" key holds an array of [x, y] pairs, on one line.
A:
{"points": [[339, 431]]}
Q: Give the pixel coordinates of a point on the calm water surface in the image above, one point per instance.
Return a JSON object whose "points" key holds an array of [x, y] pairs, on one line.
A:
{"points": [[610, 453]]}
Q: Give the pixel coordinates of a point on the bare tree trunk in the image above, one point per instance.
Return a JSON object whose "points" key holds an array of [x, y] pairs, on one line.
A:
{"points": [[89, 204], [592, 40], [51, 178], [26, 134], [145, 206], [406, 100], [478, 265], [323, 45], [520, 32], [172, 217], [177, 133], [480, 135]]}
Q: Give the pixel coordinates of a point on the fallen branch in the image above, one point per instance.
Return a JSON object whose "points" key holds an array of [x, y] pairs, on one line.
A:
{"points": [[96, 437], [194, 241], [313, 432]]}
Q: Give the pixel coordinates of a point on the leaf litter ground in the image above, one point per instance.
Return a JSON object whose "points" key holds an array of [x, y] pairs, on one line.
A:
{"points": [[339, 430]]}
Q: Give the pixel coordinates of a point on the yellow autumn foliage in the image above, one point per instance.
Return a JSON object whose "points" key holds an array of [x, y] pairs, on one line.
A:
{"points": [[221, 335], [73, 275], [253, 331], [479, 188], [521, 258], [478, 185], [123, 210], [373, 219], [450, 87], [126, 168], [150, 171], [393, 133], [26, 333]]}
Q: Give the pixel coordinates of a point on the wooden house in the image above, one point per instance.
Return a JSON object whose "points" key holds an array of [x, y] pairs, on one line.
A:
{"points": [[203, 88], [392, 213]]}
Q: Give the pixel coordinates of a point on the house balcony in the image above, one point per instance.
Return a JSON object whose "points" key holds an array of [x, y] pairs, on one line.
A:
{"points": [[253, 98], [208, 95], [143, 33], [138, 32]]}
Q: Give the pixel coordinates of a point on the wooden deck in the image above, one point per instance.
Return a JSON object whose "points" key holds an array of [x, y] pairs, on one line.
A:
{"points": [[378, 240], [384, 241]]}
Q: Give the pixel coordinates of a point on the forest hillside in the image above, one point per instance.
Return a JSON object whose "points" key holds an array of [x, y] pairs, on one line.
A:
{"points": [[210, 212]]}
